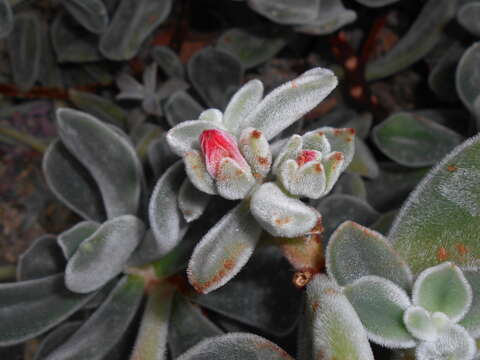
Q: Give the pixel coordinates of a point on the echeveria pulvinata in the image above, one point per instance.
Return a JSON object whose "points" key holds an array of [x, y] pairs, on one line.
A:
{"points": [[228, 153]]}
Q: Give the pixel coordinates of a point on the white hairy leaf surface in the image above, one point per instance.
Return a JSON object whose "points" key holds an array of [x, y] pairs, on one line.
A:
{"points": [[439, 221], [235, 346], [380, 304], [166, 220], [109, 157], [454, 343], [70, 239], [242, 104], [341, 140], [191, 201], [255, 149], [197, 172], [355, 251], [185, 136], [280, 214], [224, 250], [443, 288], [102, 256], [316, 140], [308, 180], [471, 321], [419, 323], [290, 101], [213, 115], [288, 151], [333, 164], [233, 182], [335, 328]]}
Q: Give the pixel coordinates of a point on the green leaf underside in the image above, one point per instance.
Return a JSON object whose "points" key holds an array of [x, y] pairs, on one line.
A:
{"points": [[439, 221], [46, 301], [103, 330]]}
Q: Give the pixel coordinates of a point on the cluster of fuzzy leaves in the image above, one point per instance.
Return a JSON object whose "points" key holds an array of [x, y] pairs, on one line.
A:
{"points": [[435, 314], [228, 154]]}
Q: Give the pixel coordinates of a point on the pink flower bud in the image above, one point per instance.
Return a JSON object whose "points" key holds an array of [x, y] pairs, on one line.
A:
{"points": [[306, 156], [217, 145]]}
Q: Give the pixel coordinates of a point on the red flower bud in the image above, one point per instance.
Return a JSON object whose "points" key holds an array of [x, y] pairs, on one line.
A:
{"points": [[217, 145], [306, 156]]}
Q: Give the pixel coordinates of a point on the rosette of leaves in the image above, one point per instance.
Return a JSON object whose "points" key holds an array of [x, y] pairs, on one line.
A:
{"points": [[416, 290], [228, 154]]}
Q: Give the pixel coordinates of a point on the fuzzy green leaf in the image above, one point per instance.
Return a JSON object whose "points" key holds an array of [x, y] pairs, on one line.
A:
{"points": [[467, 77], [70, 239], [118, 172], [224, 250], [56, 338], [290, 101], [380, 304], [30, 308], [414, 141], [166, 221], [191, 201], [104, 329], [91, 14], [280, 214], [250, 48], [443, 288], [71, 183], [363, 162], [134, 20], [439, 221], [42, 258], [235, 346], [417, 42], [333, 328], [468, 16], [184, 137], [471, 321], [180, 107], [242, 103], [355, 251], [454, 343], [168, 61], [103, 255], [215, 74]]}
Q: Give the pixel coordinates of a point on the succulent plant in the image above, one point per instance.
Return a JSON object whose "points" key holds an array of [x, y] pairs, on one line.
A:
{"points": [[229, 155]]}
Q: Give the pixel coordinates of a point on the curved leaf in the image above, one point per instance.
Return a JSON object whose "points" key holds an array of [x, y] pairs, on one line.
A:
{"points": [[117, 172], [215, 74], [355, 251], [413, 140], [92, 14], [104, 329], [71, 183], [46, 301], [25, 50], [376, 3], [191, 201], [56, 338], [235, 346], [180, 107], [280, 214], [70, 240], [224, 250], [134, 20], [380, 304], [290, 101], [439, 220], [471, 321], [468, 16], [285, 11], [250, 48], [443, 288], [417, 42], [166, 220], [168, 61], [103, 255], [42, 258], [467, 76], [334, 330]]}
